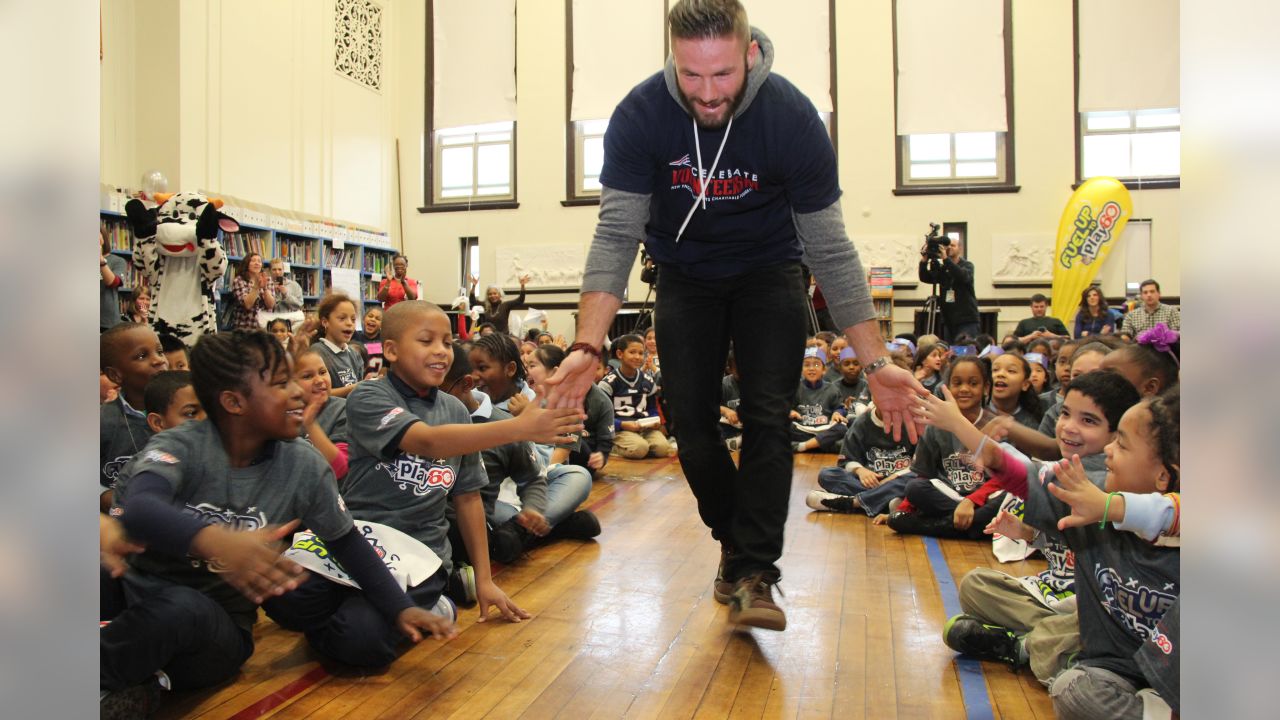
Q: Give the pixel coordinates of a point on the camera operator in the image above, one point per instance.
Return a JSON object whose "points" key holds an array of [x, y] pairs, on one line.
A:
{"points": [[942, 264]]}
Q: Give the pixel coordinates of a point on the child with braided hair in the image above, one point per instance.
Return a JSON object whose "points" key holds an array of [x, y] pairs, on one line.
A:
{"points": [[212, 495]]}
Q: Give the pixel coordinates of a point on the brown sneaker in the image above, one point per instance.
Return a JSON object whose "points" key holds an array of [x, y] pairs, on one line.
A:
{"points": [[752, 604], [722, 590]]}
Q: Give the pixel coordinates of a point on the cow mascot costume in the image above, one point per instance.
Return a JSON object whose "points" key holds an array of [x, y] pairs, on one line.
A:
{"points": [[176, 250]]}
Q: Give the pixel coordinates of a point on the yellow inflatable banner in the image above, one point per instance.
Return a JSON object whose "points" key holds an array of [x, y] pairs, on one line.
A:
{"points": [[1090, 227]]}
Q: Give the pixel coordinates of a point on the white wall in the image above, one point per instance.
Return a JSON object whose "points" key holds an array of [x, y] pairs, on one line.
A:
{"points": [[240, 97], [1044, 147], [246, 102]]}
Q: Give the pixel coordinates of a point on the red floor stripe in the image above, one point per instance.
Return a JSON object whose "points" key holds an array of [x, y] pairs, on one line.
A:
{"points": [[283, 695], [312, 678]]}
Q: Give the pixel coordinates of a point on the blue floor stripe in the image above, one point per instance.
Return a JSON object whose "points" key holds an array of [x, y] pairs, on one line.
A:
{"points": [[973, 684]]}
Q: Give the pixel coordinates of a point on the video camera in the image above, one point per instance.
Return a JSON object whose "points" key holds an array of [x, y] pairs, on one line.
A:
{"points": [[648, 271], [934, 242]]}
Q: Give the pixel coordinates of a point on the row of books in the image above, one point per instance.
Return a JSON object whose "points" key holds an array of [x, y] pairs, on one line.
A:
{"points": [[308, 280], [377, 262], [300, 251], [244, 243], [118, 236], [345, 258]]}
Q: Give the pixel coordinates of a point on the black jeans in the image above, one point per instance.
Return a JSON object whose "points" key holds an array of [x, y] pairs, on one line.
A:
{"points": [[176, 629], [931, 504], [342, 624], [762, 312]]}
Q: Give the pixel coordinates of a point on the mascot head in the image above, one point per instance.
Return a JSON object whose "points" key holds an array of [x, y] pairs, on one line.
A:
{"points": [[180, 222]]}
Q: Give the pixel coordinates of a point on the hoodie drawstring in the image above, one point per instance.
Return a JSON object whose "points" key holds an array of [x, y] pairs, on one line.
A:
{"points": [[702, 181]]}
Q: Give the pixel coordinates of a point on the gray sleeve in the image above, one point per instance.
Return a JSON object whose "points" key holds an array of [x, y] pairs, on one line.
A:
{"points": [[531, 483], [619, 231], [320, 509], [833, 259], [292, 295], [375, 419]]}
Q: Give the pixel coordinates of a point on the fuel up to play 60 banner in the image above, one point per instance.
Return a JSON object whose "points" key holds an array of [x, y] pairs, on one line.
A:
{"points": [[1090, 227]]}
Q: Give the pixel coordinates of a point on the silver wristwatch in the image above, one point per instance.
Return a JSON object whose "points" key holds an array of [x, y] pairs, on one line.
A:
{"points": [[877, 364]]}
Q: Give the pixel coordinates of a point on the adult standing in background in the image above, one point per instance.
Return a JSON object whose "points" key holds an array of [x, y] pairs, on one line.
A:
{"points": [[1150, 312], [1093, 317], [112, 267], [728, 238], [253, 291], [953, 274], [398, 286], [496, 310]]}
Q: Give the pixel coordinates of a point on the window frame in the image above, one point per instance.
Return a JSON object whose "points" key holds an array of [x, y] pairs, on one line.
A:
{"points": [[432, 148], [1160, 183], [1005, 142]]}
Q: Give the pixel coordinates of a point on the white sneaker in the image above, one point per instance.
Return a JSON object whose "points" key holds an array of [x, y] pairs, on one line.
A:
{"points": [[830, 502], [734, 443], [445, 608]]}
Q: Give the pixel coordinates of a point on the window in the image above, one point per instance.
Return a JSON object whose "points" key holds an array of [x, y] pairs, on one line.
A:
{"points": [[1130, 144], [469, 148], [588, 155], [940, 157], [475, 162], [954, 110], [1128, 123], [470, 254], [610, 47]]}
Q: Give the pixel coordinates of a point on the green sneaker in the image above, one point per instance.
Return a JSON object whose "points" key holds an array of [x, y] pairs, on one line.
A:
{"points": [[970, 636]]}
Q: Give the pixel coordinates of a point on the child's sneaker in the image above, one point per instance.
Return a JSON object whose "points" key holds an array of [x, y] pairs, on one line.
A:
{"points": [[797, 447], [970, 636], [461, 588], [139, 701], [734, 443], [445, 608], [823, 500], [580, 525], [752, 604], [507, 542]]}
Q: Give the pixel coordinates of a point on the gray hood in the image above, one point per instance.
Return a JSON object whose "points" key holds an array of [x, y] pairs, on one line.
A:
{"points": [[755, 77]]}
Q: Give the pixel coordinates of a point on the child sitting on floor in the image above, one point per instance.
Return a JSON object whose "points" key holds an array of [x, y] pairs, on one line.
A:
{"points": [[171, 400], [818, 414], [210, 495], [131, 355], [936, 500], [640, 432], [872, 470], [1124, 583]]}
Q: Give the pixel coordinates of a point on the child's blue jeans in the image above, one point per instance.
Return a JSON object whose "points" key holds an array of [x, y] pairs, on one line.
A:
{"points": [[874, 501]]}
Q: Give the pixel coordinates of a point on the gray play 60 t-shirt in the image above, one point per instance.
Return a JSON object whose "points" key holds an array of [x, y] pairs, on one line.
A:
{"points": [[387, 485], [292, 481]]}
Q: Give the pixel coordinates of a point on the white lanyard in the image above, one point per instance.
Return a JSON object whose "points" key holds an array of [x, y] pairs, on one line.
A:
{"points": [[702, 191]]}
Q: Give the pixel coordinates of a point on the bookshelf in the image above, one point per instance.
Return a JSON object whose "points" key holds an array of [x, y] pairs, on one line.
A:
{"points": [[881, 281], [376, 264], [310, 256]]}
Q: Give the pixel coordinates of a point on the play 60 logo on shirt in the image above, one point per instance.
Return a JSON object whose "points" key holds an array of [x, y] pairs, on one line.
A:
{"points": [[420, 474]]}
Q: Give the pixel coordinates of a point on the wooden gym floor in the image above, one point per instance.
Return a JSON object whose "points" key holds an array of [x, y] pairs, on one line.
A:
{"points": [[627, 627]]}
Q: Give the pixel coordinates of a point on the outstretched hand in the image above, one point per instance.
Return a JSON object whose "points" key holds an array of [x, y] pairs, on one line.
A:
{"points": [[550, 426], [940, 413], [1073, 487], [1007, 524], [896, 392], [572, 380]]}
